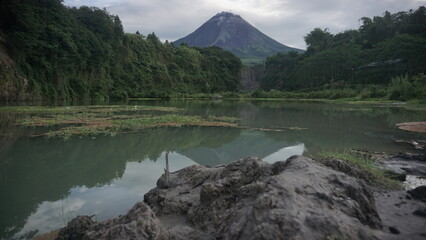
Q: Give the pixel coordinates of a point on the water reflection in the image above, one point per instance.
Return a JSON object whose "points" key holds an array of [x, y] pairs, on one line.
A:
{"points": [[44, 182], [247, 144], [285, 153], [117, 197], [104, 201]]}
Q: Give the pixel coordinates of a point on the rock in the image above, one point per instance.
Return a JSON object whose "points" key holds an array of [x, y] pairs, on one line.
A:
{"points": [[139, 223], [347, 168], [417, 144], [396, 176], [396, 212], [418, 193], [394, 230], [405, 163], [411, 156], [250, 199], [76, 228], [420, 212]]}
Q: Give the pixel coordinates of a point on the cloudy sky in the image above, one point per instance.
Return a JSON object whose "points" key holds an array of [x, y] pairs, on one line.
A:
{"points": [[287, 21]]}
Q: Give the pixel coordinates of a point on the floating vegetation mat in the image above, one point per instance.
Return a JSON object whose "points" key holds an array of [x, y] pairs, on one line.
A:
{"points": [[67, 122]]}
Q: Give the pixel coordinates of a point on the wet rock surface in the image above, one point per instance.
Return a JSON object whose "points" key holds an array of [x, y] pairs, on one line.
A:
{"points": [[139, 223], [409, 168], [347, 168], [418, 193], [250, 199], [401, 214], [76, 228], [406, 163]]}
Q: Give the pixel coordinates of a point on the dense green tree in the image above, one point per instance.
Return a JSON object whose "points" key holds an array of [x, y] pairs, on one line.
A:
{"points": [[279, 70], [383, 48], [83, 53], [318, 40]]}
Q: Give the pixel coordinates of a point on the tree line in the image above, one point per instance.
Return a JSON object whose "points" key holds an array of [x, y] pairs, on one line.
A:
{"points": [[387, 50], [60, 52]]}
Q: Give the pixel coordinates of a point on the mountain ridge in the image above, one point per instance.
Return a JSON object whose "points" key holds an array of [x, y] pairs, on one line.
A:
{"points": [[231, 32]]}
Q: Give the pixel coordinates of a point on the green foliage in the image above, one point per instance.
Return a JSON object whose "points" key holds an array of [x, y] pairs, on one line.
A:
{"points": [[83, 53], [403, 88], [279, 69], [382, 49], [374, 174], [318, 40]]}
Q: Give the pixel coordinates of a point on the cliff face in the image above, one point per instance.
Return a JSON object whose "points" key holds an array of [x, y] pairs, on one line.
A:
{"points": [[251, 77], [13, 86]]}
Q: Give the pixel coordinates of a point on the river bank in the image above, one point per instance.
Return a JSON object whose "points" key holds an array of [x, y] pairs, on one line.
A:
{"points": [[249, 199]]}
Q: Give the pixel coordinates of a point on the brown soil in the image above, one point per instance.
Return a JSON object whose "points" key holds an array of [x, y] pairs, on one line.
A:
{"points": [[413, 126]]}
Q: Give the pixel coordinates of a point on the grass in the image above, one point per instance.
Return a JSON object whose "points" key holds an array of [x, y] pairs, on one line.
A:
{"points": [[65, 123], [375, 174], [353, 94]]}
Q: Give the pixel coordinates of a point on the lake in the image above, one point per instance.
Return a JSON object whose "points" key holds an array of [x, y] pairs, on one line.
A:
{"points": [[46, 182]]}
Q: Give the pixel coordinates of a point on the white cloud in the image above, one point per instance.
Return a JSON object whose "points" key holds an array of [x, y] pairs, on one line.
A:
{"points": [[287, 21]]}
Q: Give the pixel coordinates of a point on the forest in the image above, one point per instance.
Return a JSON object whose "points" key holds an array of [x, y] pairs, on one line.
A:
{"points": [[50, 51], [384, 58]]}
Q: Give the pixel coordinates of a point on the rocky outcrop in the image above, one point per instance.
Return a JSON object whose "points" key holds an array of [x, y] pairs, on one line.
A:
{"points": [[13, 85], [345, 167], [251, 77], [418, 193], [139, 223], [251, 199]]}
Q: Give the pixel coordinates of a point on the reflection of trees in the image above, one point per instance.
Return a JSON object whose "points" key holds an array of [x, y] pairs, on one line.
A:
{"points": [[330, 126], [9, 131], [34, 170]]}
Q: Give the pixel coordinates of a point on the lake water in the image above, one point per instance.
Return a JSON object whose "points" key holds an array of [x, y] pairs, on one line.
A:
{"points": [[46, 182]]}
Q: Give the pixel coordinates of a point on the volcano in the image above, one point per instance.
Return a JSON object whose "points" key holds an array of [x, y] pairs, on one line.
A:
{"points": [[231, 32]]}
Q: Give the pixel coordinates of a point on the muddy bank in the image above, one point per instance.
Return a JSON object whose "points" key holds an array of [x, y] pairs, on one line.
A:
{"points": [[250, 199], [413, 126]]}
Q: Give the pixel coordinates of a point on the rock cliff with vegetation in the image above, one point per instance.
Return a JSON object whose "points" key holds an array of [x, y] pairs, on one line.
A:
{"points": [[50, 51]]}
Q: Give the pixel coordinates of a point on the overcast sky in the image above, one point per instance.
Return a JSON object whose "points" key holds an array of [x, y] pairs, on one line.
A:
{"points": [[286, 21]]}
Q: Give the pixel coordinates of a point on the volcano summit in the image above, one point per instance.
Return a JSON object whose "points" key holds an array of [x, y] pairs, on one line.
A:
{"points": [[231, 32]]}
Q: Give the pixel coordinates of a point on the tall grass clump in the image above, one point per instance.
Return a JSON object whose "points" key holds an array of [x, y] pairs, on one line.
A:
{"points": [[373, 173], [400, 88]]}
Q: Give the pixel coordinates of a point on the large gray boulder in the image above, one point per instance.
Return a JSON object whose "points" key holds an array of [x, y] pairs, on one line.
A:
{"points": [[250, 199]]}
